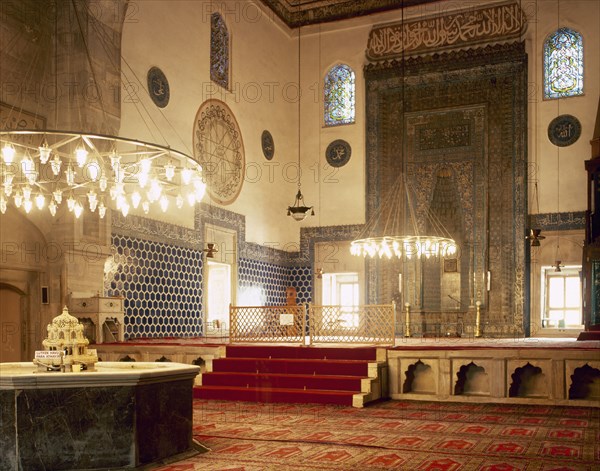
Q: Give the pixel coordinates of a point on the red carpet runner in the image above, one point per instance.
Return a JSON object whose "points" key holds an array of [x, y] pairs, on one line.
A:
{"points": [[323, 375], [399, 435]]}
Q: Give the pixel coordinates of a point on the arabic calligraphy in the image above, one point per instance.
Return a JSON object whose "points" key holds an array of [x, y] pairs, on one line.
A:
{"points": [[499, 22]]}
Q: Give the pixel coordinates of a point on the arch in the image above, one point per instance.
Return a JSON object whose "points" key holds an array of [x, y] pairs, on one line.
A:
{"points": [[472, 380], [585, 383], [528, 381], [219, 50], [420, 379], [563, 64], [339, 98], [10, 287]]}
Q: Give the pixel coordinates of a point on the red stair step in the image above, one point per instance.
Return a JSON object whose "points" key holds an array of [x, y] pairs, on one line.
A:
{"points": [[268, 380], [272, 395], [308, 352], [292, 366]]}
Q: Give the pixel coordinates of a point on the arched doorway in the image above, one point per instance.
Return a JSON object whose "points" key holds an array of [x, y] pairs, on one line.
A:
{"points": [[12, 335]]}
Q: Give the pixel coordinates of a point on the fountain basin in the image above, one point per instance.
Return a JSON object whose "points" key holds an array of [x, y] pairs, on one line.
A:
{"points": [[122, 415]]}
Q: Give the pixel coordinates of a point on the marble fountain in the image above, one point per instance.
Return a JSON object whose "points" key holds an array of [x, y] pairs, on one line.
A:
{"points": [[65, 410]]}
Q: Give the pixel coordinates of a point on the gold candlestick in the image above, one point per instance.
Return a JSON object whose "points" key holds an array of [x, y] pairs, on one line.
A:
{"points": [[407, 320], [478, 319]]}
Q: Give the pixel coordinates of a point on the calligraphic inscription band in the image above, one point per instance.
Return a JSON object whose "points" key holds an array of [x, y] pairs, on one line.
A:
{"points": [[489, 24]]}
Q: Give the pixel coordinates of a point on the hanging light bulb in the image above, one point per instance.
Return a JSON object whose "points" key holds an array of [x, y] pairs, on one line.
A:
{"points": [[117, 190], [52, 208], [136, 198], [103, 183], [3, 204], [71, 203], [40, 201], [8, 177], [169, 171], [145, 166], [8, 154], [155, 190], [27, 192], [115, 160], [81, 154], [92, 200], [8, 188], [28, 167], [164, 203], [70, 174], [78, 209], [199, 188], [44, 152], [28, 204], [125, 208], [146, 207], [179, 201], [102, 210], [18, 200], [186, 176], [57, 195], [55, 164], [143, 180], [191, 198], [93, 170]]}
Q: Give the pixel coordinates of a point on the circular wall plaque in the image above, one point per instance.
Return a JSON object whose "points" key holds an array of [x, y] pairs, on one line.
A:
{"points": [[338, 153], [158, 87], [268, 145], [219, 148], [564, 130]]}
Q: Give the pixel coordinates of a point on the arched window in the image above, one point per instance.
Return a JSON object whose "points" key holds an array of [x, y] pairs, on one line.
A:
{"points": [[563, 64], [219, 51], [339, 95]]}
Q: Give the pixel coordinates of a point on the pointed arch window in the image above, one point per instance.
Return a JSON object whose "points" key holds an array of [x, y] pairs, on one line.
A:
{"points": [[563, 64], [219, 51], [339, 95]]}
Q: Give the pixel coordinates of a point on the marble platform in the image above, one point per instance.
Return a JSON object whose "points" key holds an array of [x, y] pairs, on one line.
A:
{"points": [[121, 416]]}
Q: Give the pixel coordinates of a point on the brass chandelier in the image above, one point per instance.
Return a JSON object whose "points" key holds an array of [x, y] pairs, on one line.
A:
{"points": [[48, 169], [385, 235]]}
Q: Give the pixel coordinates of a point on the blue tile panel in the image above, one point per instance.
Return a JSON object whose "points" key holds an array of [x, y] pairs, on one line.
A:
{"points": [[268, 282], [161, 285]]}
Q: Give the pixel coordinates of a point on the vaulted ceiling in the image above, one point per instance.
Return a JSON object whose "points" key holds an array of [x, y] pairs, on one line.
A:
{"points": [[297, 13]]}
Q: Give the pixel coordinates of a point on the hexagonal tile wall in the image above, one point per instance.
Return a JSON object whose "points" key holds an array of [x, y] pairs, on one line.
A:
{"points": [[161, 284]]}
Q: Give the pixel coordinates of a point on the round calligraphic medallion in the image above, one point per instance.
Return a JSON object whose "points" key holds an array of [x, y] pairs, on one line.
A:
{"points": [[158, 87], [219, 148], [338, 153], [564, 130], [268, 145]]}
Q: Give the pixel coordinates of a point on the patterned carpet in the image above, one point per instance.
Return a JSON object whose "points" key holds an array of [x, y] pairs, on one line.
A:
{"points": [[401, 435]]}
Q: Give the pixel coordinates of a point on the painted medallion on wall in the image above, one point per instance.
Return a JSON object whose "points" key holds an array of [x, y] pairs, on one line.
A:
{"points": [[564, 130], [268, 145], [338, 153], [158, 87], [218, 147]]}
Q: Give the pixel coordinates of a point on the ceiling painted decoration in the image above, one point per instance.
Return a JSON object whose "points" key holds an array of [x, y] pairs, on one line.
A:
{"points": [[297, 13]]}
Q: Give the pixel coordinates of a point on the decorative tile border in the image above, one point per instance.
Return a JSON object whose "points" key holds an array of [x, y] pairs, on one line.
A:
{"points": [[156, 231]]}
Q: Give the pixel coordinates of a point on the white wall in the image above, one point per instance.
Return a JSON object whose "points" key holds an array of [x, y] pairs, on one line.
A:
{"points": [[560, 171], [174, 35]]}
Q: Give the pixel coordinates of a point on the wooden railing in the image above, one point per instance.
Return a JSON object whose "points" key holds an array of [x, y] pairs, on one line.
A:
{"points": [[321, 324], [267, 324]]}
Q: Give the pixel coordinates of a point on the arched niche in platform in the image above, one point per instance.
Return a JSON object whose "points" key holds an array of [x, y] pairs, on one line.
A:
{"points": [[528, 381], [419, 379], [585, 383], [472, 380]]}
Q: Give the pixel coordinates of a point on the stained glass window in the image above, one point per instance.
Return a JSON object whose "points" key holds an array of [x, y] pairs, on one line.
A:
{"points": [[339, 95], [219, 51], [563, 64]]}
